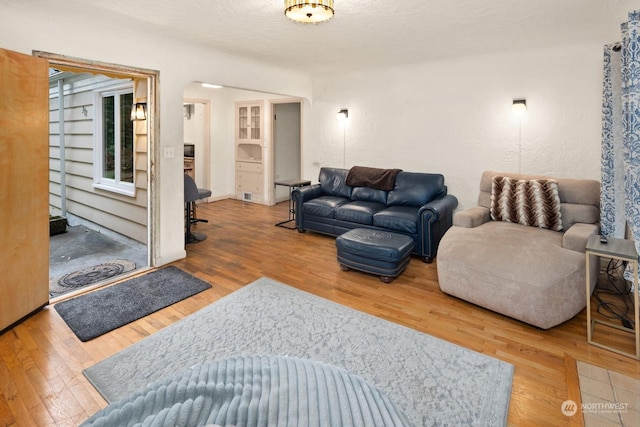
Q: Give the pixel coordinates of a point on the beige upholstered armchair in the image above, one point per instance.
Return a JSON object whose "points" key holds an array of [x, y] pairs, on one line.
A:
{"points": [[506, 253]]}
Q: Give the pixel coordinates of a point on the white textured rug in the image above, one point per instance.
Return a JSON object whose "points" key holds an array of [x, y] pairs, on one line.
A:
{"points": [[432, 381]]}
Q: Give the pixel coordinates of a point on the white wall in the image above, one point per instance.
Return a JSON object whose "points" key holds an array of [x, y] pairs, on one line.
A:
{"points": [[26, 27], [454, 117]]}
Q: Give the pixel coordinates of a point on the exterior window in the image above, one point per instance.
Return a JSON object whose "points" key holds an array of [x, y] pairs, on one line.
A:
{"points": [[114, 165]]}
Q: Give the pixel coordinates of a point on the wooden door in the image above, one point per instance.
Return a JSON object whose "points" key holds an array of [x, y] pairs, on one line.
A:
{"points": [[24, 186]]}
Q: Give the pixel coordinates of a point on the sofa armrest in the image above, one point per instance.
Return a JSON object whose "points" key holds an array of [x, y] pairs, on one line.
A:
{"points": [[434, 219], [308, 192], [441, 207], [299, 195], [575, 238], [472, 217]]}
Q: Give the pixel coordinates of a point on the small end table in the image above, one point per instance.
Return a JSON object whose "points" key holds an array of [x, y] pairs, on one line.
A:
{"points": [[291, 183], [619, 249]]}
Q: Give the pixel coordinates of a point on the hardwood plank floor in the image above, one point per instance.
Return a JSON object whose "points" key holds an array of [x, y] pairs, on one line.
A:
{"points": [[41, 360]]}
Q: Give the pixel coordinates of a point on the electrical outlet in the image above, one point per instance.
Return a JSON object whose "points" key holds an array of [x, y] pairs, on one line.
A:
{"points": [[168, 153]]}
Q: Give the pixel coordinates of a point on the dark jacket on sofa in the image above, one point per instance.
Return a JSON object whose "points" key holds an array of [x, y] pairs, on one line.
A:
{"points": [[418, 206]]}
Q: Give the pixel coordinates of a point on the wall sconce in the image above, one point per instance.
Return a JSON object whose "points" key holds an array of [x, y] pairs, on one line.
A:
{"points": [[519, 106], [188, 110], [342, 115], [139, 111]]}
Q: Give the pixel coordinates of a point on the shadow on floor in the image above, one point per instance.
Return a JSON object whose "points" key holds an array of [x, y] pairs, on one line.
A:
{"points": [[80, 248]]}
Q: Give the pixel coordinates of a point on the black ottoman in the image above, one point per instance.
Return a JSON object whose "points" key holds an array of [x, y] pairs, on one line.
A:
{"points": [[372, 251]]}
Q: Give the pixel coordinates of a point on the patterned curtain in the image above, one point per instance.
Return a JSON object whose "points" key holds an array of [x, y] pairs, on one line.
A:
{"points": [[620, 192], [612, 210]]}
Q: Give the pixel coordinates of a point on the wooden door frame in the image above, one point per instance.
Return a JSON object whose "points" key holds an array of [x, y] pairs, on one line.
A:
{"points": [[153, 96]]}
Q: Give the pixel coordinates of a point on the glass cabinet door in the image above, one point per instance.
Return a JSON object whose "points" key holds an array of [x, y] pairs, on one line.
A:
{"points": [[255, 123], [249, 123], [242, 122]]}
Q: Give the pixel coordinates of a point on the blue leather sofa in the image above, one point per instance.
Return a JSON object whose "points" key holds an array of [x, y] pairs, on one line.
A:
{"points": [[417, 206]]}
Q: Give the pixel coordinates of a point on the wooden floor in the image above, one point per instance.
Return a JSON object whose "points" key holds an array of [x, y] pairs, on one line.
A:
{"points": [[41, 359]]}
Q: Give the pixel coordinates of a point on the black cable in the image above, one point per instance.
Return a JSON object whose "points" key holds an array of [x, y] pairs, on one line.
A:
{"points": [[610, 309]]}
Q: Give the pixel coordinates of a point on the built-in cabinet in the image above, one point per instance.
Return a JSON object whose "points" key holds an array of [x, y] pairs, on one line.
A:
{"points": [[249, 143]]}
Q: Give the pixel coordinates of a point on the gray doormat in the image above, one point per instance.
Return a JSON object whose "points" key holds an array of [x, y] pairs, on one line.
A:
{"points": [[99, 312]]}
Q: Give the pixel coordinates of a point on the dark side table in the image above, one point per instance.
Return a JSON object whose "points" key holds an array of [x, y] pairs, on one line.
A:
{"points": [[618, 249], [291, 183]]}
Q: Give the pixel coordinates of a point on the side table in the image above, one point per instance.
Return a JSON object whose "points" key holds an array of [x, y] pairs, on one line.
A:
{"points": [[617, 249], [291, 183]]}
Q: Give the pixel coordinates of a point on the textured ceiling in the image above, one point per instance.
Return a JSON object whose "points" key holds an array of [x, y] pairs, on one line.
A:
{"points": [[363, 33]]}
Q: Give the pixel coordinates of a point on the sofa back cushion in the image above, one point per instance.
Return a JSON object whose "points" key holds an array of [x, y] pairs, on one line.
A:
{"points": [[416, 189], [579, 198], [532, 202], [369, 195], [333, 182]]}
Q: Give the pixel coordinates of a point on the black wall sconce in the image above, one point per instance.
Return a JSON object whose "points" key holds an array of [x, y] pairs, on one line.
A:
{"points": [[519, 106]]}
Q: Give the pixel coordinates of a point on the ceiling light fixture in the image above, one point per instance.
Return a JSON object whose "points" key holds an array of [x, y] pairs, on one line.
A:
{"points": [[211, 86], [308, 11]]}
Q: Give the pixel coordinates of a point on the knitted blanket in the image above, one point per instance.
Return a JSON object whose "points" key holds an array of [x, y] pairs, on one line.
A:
{"points": [[256, 391], [380, 179]]}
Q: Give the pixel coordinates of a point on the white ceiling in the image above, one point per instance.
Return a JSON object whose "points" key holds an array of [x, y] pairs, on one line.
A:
{"points": [[363, 33]]}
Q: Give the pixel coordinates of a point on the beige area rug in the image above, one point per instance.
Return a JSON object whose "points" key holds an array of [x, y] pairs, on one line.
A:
{"points": [[609, 398]]}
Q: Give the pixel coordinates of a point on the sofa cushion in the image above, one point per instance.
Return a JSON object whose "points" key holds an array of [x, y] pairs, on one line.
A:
{"points": [[520, 271], [369, 194], [323, 206], [398, 218], [359, 211], [334, 182], [415, 189], [573, 213], [532, 202]]}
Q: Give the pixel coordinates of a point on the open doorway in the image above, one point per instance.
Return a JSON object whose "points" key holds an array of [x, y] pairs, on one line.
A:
{"points": [[100, 173], [220, 133], [286, 145], [196, 140]]}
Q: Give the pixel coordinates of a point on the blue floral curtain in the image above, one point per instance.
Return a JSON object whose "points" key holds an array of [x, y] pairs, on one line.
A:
{"points": [[620, 192]]}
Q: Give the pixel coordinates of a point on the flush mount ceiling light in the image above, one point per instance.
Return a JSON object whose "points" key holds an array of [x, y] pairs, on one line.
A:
{"points": [[309, 11]]}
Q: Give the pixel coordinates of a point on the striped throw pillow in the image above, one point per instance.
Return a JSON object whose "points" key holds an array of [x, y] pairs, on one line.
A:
{"points": [[532, 202]]}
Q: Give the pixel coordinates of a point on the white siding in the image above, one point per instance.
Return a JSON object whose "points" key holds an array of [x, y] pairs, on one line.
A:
{"points": [[122, 214]]}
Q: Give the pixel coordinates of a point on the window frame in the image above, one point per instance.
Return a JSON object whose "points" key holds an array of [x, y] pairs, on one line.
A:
{"points": [[99, 180]]}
